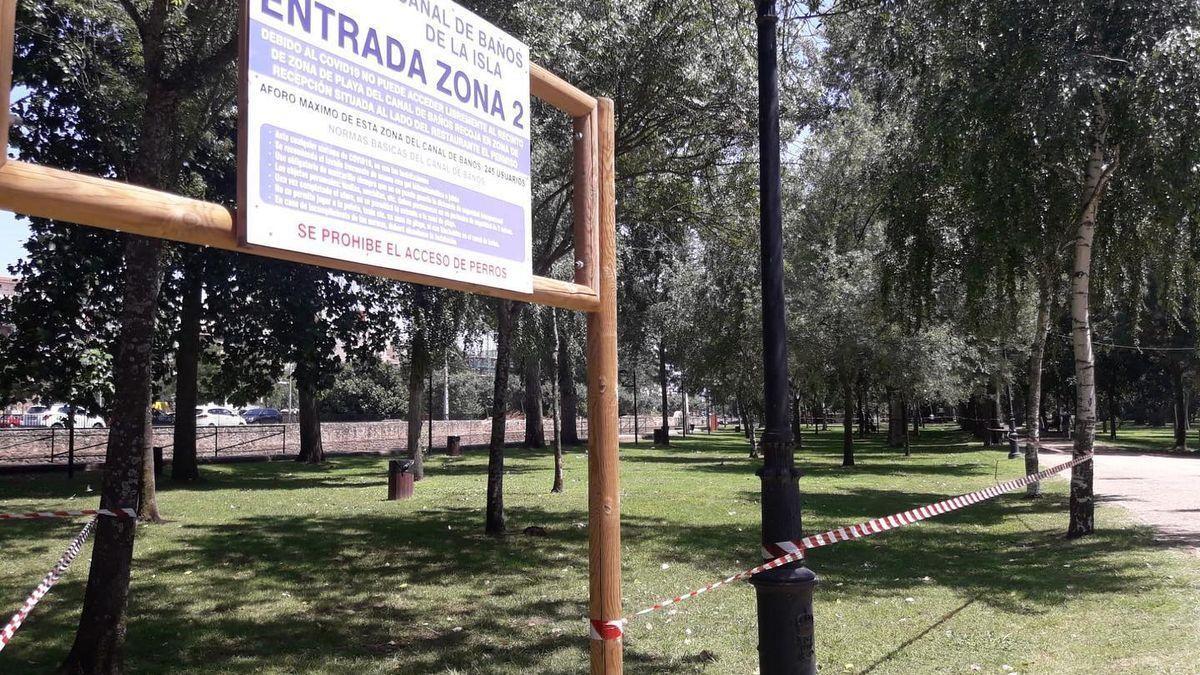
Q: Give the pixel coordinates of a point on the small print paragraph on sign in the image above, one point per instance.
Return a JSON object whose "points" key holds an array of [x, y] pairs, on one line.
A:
{"points": [[316, 177]]}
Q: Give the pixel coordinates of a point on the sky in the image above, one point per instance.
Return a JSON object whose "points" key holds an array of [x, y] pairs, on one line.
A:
{"points": [[12, 240], [13, 233]]}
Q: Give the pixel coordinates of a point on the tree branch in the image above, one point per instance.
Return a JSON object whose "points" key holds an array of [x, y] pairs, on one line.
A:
{"points": [[135, 16], [192, 78]]}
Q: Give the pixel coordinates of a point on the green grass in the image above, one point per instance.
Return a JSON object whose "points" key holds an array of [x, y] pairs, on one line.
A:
{"points": [[283, 568], [1145, 439]]}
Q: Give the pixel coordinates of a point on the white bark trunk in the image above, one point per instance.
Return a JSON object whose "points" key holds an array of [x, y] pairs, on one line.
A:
{"points": [[1083, 504]]}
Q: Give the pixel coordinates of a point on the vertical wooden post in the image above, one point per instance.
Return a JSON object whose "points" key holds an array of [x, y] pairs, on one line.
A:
{"points": [[585, 199], [604, 500], [8, 20]]}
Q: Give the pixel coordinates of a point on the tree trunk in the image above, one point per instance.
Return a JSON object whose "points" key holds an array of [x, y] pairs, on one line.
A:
{"points": [[662, 377], [148, 506], [748, 425], [558, 439], [848, 424], [1083, 505], [446, 386], [904, 424], [996, 422], [184, 467], [419, 367], [495, 480], [897, 427], [569, 397], [535, 427], [1114, 412], [312, 451], [683, 428], [1033, 400], [797, 428], [100, 637], [862, 409], [1180, 405]]}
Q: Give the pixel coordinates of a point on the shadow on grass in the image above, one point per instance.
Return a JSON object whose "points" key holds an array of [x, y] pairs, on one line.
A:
{"points": [[421, 589], [318, 592], [916, 638], [352, 575]]}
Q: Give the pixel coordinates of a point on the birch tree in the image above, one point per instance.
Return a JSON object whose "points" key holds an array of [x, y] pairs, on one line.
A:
{"points": [[1085, 85]]}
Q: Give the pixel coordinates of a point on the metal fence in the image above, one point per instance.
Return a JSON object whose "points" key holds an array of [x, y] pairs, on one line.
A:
{"points": [[27, 446]]}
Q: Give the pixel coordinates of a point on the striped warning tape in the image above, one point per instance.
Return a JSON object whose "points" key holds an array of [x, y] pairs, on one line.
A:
{"points": [[39, 515], [48, 582], [880, 525], [783, 553]]}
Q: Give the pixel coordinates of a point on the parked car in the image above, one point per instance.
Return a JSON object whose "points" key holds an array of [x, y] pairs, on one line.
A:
{"points": [[32, 417], [217, 416], [56, 417], [10, 421], [161, 419], [262, 416]]}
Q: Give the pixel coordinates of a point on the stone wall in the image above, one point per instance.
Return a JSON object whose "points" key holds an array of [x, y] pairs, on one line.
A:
{"points": [[50, 446]]}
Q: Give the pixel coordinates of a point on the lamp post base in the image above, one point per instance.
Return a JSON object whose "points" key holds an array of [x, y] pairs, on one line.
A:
{"points": [[785, 627]]}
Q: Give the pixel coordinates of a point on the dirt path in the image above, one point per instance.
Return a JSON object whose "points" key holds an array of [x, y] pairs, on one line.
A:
{"points": [[1159, 490]]}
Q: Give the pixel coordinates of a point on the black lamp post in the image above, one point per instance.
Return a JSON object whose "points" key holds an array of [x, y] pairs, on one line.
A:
{"points": [[1014, 444], [785, 618]]}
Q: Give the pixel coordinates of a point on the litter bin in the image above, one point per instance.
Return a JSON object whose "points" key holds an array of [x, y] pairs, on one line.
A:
{"points": [[662, 436], [454, 446], [400, 480]]}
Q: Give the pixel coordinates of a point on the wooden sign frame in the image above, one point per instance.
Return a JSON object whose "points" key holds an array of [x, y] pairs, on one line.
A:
{"points": [[114, 205]]}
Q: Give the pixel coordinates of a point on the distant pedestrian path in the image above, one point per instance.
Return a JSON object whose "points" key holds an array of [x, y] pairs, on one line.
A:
{"points": [[1159, 490]]}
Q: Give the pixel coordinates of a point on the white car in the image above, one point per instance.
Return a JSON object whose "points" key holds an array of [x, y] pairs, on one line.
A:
{"points": [[56, 417], [218, 416]]}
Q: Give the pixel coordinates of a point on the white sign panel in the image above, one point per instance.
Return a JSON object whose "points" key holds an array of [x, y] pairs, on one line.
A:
{"points": [[388, 132]]}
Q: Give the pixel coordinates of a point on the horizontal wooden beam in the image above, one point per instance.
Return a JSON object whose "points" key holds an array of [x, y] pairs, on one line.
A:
{"points": [[559, 93], [61, 195]]}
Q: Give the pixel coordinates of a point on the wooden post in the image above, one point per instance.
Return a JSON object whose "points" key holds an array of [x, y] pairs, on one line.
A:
{"points": [[585, 200], [8, 20], [604, 501]]}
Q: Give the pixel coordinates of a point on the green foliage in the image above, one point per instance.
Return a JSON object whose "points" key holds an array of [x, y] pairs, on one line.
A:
{"points": [[470, 395], [84, 68], [367, 389], [289, 314]]}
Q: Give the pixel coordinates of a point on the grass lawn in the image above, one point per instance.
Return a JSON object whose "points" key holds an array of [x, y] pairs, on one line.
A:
{"points": [[280, 568], [1146, 439]]}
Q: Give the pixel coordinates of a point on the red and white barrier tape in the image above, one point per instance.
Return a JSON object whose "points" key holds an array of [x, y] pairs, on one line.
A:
{"points": [[879, 525], [39, 515], [48, 582], [791, 551], [607, 630]]}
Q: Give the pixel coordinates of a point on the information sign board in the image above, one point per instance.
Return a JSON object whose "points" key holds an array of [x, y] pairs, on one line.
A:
{"points": [[393, 133]]}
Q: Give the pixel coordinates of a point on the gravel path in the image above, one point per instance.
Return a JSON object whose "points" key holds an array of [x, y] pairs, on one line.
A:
{"points": [[1159, 490]]}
